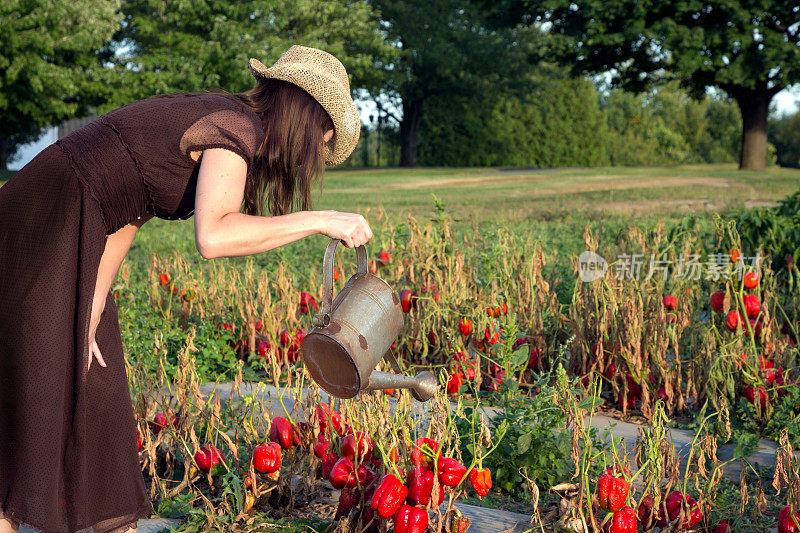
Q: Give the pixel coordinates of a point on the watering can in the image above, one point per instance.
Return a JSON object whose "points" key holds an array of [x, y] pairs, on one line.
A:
{"points": [[354, 332]]}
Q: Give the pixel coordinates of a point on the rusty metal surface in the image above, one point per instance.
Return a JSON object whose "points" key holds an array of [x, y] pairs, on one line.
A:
{"points": [[354, 332]]}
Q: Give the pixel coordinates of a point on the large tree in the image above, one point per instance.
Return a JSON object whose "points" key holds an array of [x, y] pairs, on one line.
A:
{"points": [[49, 70], [446, 47], [167, 45], [748, 48]]}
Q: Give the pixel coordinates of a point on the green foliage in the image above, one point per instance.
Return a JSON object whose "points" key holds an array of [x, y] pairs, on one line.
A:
{"points": [[555, 123], [775, 231], [667, 127], [446, 48], [537, 443], [784, 133], [177, 45], [563, 122], [215, 356], [784, 415], [725, 43], [48, 68], [748, 48]]}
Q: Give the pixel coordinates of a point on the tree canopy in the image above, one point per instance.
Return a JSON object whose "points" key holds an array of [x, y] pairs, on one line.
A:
{"points": [[169, 45], [449, 48], [748, 48], [49, 68]]}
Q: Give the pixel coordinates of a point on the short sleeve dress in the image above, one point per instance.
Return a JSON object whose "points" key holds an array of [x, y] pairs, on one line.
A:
{"points": [[68, 452]]}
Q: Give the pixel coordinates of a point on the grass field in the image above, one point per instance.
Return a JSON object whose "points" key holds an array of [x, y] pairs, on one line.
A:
{"points": [[554, 205]]}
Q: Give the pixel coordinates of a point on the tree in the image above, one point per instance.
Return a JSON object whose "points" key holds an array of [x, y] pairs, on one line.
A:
{"points": [[168, 45], [49, 70], [445, 47], [748, 48]]}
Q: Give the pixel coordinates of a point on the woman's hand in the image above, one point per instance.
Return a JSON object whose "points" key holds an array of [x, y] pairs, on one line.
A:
{"points": [[94, 350], [351, 228]]}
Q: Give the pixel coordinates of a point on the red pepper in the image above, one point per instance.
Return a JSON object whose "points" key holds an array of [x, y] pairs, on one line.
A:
{"points": [[389, 496], [751, 280], [454, 382], [263, 347], [267, 458], [353, 441], [365, 475], [490, 336], [410, 520], [408, 299], [206, 457], [306, 301], [465, 327], [612, 492], [160, 421], [343, 474], [481, 479], [327, 464], [724, 527], [418, 455], [431, 337], [623, 521], [670, 302], [750, 395], [718, 301], [281, 431], [420, 486], [464, 365], [321, 446], [662, 393], [533, 358], [138, 439], [450, 471], [300, 434], [324, 415], [788, 521], [673, 507], [645, 512], [752, 305], [734, 319], [348, 499]]}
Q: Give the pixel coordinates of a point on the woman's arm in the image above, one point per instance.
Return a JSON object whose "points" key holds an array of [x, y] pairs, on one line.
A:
{"points": [[117, 245], [222, 231]]}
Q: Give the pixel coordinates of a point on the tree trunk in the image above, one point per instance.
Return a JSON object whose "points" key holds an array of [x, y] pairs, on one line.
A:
{"points": [[3, 153], [754, 106], [409, 131]]}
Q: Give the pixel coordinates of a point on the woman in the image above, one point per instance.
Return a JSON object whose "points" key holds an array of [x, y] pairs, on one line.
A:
{"points": [[68, 457]]}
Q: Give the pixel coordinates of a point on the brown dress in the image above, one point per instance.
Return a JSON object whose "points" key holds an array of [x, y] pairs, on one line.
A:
{"points": [[68, 453]]}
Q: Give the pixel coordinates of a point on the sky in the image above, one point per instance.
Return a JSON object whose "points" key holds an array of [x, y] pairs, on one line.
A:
{"points": [[786, 101]]}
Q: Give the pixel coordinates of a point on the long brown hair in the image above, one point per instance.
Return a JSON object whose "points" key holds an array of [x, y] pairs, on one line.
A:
{"points": [[290, 160]]}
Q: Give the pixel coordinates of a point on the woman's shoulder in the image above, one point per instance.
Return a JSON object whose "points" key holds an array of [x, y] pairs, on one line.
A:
{"points": [[230, 111]]}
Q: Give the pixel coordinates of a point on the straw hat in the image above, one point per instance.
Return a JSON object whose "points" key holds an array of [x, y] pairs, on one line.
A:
{"points": [[323, 77]]}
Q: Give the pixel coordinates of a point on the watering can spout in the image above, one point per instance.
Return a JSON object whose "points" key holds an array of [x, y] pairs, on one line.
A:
{"points": [[423, 386], [352, 333]]}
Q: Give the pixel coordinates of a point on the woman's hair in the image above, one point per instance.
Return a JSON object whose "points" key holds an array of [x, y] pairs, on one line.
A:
{"points": [[290, 159]]}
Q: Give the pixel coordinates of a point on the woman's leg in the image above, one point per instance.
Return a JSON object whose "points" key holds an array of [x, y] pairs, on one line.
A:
{"points": [[7, 526]]}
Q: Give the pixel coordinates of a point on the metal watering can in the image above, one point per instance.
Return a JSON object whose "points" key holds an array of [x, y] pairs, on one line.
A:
{"points": [[354, 332]]}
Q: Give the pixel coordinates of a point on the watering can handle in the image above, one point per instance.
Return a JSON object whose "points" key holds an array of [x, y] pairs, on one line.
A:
{"points": [[322, 319]]}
